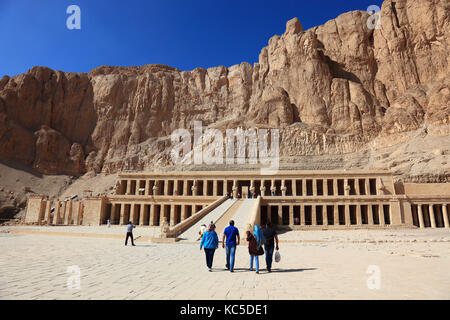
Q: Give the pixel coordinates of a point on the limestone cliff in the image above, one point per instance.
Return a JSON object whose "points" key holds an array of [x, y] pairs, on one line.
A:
{"points": [[340, 92]]}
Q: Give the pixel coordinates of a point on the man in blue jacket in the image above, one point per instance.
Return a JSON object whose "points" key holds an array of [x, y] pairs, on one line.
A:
{"points": [[232, 235], [210, 241]]}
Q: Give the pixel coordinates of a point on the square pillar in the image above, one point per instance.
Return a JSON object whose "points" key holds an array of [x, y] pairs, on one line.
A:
{"points": [[280, 214], [166, 188], [420, 214], [335, 187], [370, 214], [325, 187], [358, 215], [122, 214], [313, 214], [138, 186], [302, 215], [314, 187], [347, 215], [185, 188], [215, 187], [141, 214], [294, 187], [445, 214], [381, 215], [357, 191], [432, 216], [336, 214], [172, 215], [205, 187], [132, 213], [152, 215], [56, 217], [367, 186], [291, 214], [147, 187], [128, 192], [283, 188], [183, 212], [304, 190]]}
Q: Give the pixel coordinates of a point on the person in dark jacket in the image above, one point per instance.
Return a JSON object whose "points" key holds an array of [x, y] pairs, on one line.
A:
{"points": [[255, 249], [210, 241]]}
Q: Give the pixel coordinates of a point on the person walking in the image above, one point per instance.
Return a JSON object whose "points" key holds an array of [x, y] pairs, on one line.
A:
{"points": [[255, 248], [130, 228], [210, 241], [231, 233], [270, 235]]}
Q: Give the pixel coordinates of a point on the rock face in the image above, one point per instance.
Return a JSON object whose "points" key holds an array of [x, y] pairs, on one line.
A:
{"points": [[334, 89]]}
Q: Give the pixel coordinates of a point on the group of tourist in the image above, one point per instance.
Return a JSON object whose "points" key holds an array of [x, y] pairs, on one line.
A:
{"points": [[260, 242]]}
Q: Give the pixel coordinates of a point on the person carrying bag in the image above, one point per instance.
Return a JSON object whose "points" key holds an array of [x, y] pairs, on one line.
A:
{"points": [[255, 248]]}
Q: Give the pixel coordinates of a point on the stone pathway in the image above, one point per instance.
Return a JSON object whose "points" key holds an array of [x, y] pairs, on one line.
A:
{"points": [[318, 265]]}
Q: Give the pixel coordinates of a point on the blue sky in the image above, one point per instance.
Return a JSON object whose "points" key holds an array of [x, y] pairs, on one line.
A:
{"points": [[179, 33]]}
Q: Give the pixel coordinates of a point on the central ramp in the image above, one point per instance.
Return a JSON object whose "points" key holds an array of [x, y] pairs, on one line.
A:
{"points": [[191, 234]]}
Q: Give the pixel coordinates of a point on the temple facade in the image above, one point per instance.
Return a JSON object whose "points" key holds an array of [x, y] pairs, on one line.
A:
{"points": [[289, 199]]}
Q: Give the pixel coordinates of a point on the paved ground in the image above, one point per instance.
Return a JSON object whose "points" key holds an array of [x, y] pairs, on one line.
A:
{"points": [[315, 265]]}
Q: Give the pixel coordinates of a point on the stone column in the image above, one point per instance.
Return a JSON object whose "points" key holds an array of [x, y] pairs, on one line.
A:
{"points": [[347, 215], [304, 189], [357, 191], [128, 192], [235, 189], [420, 214], [175, 187], [294, 187], [56, 216], [205, 187], [141, 214], [336, 214], [280, 214], [172, 215], [358, 215], [325, 187], [273, 188], [313, 214], [122, 214], [138, 186], [335, 187], [445, 214], [215, 187], [370, 214], [147, 187], [113, 213], [185, 187], [432, 216], [381, 215], [346, 187], [63, 213], [69, 213], [49, 211], [252, 187], [166, 188], [152, 215], [291, 214], [302, 215], [133, 213], [314, 187], [183, 212], [325, 214], [262, 189], [155, 188], [283, 188], [367, 186]]}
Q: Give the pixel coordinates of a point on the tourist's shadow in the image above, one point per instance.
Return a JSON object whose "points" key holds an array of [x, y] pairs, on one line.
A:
{"points": [[293, 270]]}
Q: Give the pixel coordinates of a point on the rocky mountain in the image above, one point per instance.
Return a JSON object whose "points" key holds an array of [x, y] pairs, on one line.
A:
{"points": [[343, 96]]}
